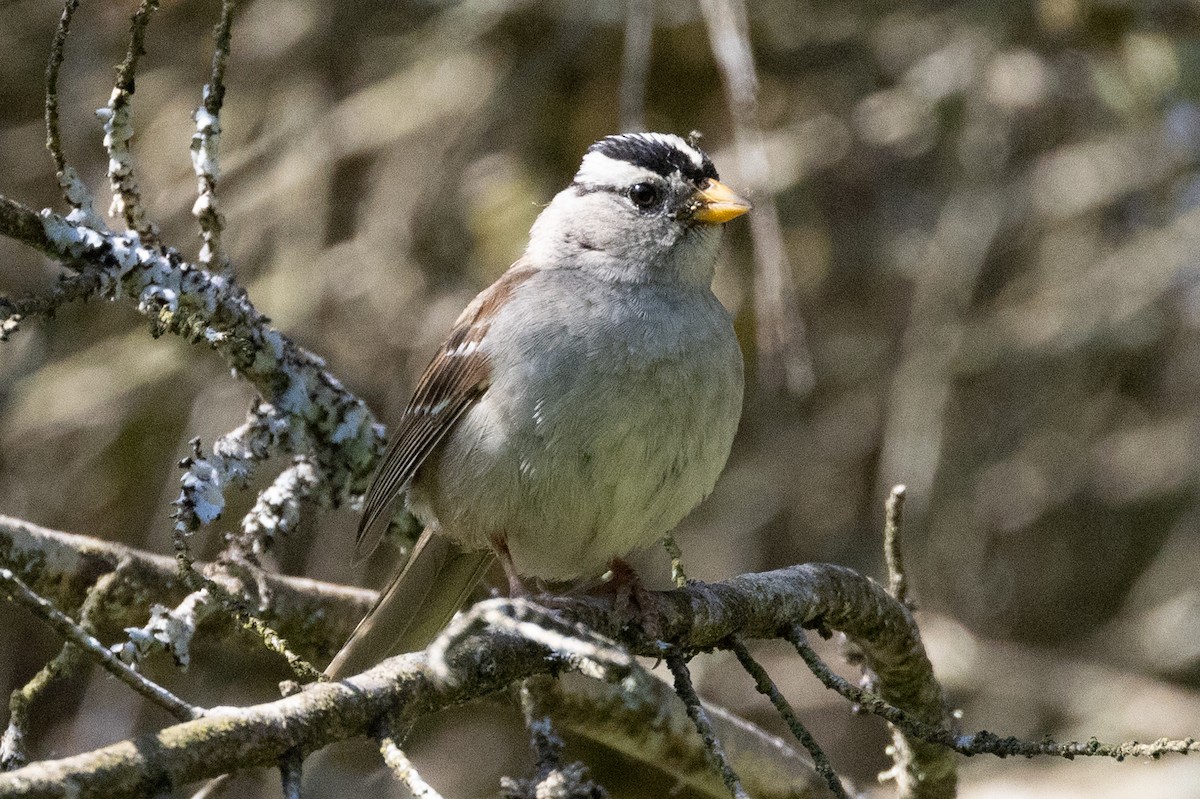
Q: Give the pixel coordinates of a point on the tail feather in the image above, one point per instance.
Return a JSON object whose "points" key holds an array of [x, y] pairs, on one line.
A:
{"points": [[436, 581]]}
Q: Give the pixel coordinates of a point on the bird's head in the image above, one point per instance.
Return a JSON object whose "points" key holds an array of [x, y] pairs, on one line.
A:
{"points": [[643, 207]]}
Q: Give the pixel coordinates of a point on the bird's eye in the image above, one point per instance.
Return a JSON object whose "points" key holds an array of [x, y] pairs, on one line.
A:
{"points": [[644, 195]]}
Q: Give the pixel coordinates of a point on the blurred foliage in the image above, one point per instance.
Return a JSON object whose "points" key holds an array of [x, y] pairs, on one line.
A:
{"points": [[992, 215]]}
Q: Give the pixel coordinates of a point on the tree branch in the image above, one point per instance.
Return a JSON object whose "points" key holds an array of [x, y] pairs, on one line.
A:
{"points": [[695, 617], [18, 592], [316, 617]]}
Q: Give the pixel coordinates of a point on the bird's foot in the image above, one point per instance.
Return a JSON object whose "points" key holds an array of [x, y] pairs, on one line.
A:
{"points": [[633, 602]]}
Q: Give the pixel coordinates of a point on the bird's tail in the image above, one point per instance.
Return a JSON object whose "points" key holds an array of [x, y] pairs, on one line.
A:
{"points": [[426, 593]]}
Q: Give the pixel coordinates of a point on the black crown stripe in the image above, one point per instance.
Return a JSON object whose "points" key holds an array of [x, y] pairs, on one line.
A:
{"points": [[655, 155]]}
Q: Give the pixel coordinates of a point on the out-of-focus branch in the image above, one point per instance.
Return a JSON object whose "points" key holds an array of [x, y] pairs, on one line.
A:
{"points": [[783, 358], [635, 64], [649, 725]]}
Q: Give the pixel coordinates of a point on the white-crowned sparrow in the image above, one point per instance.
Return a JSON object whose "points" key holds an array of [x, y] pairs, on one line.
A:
{"points": [[582, 404]]}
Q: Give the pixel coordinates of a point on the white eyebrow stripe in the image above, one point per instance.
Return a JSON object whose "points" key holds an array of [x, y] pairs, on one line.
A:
{"points": [[600, 170]]}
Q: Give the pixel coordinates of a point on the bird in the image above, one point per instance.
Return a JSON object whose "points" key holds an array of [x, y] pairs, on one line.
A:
{"points": [[581, 405]]}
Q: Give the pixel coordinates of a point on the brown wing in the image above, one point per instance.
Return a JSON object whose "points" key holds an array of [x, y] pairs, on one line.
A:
{"points": [[454, 381]]}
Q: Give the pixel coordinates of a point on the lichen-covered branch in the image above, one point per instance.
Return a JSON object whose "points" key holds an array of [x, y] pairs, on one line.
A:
{"points": [[206, 144], [311, 412], [695, 617], [74, 191], [117, 117], [316, 617], [16, 590]]}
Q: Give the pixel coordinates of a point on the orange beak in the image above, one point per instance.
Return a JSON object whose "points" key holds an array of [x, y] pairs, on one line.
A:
{"points": [[717, 203]]}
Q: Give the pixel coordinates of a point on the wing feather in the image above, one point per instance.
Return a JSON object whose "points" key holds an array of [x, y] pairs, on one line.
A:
{"points": [[455, 379]]}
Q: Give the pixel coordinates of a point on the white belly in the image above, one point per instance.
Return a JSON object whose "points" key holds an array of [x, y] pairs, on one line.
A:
{"points": [[588, 446]]}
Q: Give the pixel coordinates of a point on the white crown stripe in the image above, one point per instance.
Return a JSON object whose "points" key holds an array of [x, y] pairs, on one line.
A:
{"points": [[600, 170]]}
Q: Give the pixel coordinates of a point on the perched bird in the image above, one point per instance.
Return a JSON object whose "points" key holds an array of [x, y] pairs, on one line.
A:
{"points": [[581, 405]]}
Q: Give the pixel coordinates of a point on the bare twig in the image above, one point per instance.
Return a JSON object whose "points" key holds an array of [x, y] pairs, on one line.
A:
{"points": [[893, 545], [635, 63], [766, 686], [784, 361], [982, 742], [20, 593], [699, 716], [921, 770], [57, 53], [206, 144]]}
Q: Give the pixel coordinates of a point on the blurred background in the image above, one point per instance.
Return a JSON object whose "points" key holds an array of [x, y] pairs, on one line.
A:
{"points": [[990, 217]]}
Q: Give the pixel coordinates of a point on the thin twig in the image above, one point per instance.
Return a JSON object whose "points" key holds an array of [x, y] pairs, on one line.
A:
{"points": [[893, 545], [982, 742], [196, 581], [71, 286], [57, 54], [699, 717], [73, 188], [64, 664], [635, 64], [22, 594], [678, 576], [118, 130], [403, 769], [291, 773], [206, 144], [766, 686]]}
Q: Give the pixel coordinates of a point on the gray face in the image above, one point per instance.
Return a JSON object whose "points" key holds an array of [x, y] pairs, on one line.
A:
{"points": [[627, 215]]}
